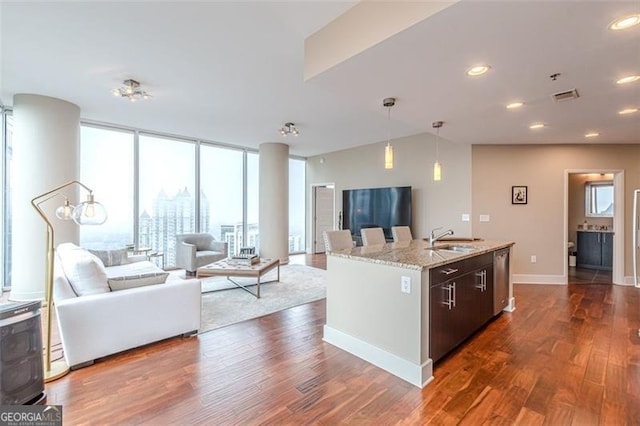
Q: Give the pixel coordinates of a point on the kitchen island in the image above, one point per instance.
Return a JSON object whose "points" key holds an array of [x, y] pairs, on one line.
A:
{"points": [[383, 300]]}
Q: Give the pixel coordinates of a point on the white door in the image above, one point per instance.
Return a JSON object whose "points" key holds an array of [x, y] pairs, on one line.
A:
{"points": [[323, 215]]}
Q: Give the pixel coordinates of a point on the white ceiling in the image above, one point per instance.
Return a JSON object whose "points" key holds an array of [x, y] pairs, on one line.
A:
{"points": [[232, 72]]}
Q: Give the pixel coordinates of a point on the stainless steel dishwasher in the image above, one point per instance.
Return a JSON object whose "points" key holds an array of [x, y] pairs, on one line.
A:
{"points": [[500, 280]]}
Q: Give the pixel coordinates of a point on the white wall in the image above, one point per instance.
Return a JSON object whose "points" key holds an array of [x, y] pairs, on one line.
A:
{"points": [[434, 203]]}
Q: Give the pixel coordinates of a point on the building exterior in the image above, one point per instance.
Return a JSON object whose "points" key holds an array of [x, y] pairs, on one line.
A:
{"points": [[171, 216]]}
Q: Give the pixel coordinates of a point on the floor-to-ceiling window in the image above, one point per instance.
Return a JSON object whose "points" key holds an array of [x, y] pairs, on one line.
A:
{"points": [[6, 128], [107, 167], [296, 205], [167, 200], [152, 196], [253, 207], [221, 183]]}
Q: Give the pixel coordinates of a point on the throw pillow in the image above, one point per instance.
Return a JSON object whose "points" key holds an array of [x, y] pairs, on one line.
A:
{"points": [[140, 280], [84, 271], [112, 257]]}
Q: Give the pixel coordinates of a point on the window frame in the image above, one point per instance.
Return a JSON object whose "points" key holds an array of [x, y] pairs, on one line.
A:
{"points": [[590, 197], [5, 214]]}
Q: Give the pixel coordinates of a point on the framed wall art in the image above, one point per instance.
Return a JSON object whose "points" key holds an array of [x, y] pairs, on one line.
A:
{"points": [[519, 195]]}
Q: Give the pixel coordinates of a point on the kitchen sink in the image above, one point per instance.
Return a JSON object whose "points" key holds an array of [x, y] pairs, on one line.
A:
{"points": [[457, 248]]}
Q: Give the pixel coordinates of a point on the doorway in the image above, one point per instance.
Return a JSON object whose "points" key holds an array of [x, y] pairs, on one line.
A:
{"points": [[587, 230], [323, 214]]}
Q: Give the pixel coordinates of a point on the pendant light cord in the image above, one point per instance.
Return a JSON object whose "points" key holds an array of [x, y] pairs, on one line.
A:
{"points": [[388, 125], [438, 144]]}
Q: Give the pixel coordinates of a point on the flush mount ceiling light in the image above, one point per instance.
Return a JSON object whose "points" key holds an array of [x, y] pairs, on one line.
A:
{"points": [[628, 79], [592, 135], [625, 22], [514, 105], [536, 126], [478, 70], [388, 150], [627, 111], [289, 129], [131, 90], [437, 167]]}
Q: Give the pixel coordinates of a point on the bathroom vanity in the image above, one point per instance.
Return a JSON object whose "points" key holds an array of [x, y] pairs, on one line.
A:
{"points": [[595, 249]]}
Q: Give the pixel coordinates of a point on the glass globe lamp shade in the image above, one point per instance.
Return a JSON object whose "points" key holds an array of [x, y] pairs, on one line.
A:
{"points": [[65, 212], [90, 212]]}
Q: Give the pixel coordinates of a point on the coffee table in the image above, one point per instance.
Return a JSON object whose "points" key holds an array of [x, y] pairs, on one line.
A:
{"points": [[226, 268]]}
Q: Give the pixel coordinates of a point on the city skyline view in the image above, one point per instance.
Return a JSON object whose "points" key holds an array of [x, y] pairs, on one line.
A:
{"points": [[170, 216]]}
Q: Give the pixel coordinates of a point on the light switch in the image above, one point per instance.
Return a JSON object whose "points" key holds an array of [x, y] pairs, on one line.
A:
{"points": [[465, 217], [485, 218]]}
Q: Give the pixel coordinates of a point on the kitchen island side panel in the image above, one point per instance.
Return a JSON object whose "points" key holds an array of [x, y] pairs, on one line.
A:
{"points": [[365, 301]]}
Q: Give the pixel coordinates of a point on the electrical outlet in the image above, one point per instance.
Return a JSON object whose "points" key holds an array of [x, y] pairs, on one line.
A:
{"points": [[485, 218], [465, 217], [534, 259], [405, 284]]}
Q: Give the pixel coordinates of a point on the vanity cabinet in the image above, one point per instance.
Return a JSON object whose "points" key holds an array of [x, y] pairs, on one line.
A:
{"points": [[461, 296], [595, 250]]}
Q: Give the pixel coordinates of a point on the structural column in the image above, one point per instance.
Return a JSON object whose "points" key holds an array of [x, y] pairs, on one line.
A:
{"points": [[45, 155], [274, 201]]}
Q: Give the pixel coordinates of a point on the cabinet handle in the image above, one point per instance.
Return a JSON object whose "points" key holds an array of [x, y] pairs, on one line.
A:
{"points": [[454, 294], [480, 275], [449, 271], [599, 237], [483, 280], [451, 296]]}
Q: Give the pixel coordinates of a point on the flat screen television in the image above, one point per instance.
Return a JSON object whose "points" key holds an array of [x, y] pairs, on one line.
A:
{"points": [[376, 207]]}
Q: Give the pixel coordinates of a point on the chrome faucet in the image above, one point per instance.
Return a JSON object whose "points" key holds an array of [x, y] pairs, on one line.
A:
{"points": [[433, 237]]}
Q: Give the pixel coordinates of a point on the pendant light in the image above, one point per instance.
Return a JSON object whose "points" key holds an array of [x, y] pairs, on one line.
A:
{"points": [[388, 150], [437, 167]]}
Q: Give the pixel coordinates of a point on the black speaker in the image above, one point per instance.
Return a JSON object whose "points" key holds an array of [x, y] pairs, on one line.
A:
{"points": [[21, 371]]}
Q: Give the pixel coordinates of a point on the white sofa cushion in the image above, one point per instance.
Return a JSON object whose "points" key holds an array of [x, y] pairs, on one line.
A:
{"points": [[134, 268], [112, 257], [85, 272], [140, 280]]}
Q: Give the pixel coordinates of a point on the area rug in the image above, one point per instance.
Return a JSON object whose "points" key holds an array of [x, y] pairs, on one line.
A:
{"points": [[223, 303]]}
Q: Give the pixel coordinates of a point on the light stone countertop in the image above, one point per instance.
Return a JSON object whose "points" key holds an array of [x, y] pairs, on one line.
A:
{"points": [[608, 231], [416, 254]]}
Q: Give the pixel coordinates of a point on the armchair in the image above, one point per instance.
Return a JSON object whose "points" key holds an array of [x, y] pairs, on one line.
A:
{"points": [[196, 250]]}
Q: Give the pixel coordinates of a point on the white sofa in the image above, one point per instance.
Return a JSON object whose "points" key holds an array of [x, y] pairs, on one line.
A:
{"points": [[107, 322]]}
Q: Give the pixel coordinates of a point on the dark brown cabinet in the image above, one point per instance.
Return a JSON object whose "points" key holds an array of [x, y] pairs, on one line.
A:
{"points": [[461, 302], [595, 250]]}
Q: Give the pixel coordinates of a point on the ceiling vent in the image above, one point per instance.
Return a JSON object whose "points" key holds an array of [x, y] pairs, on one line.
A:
{"points": [[565, 96]]}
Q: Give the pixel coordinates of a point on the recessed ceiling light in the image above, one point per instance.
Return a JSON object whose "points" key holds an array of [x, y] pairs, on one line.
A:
{"points": [[628, 79], [628, 111], [626, 22], [478, 70], [592, 135], [537, 126], [514, 105]]}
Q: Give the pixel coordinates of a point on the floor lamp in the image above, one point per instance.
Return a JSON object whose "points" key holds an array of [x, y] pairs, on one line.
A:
{"points": [[88, 212]]}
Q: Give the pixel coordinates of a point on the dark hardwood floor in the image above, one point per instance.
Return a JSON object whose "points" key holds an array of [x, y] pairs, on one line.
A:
{"points": [[567, 355], [591, 276]]}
